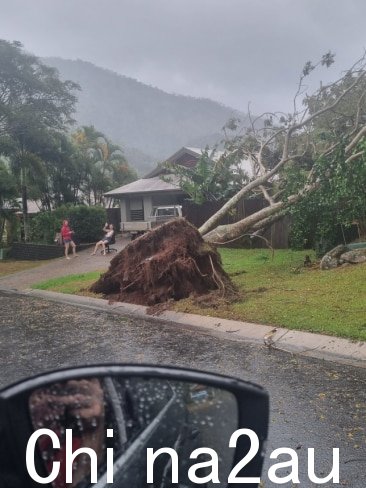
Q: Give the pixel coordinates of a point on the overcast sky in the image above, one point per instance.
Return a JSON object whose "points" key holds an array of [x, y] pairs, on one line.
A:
{"points": [[233, 51]]}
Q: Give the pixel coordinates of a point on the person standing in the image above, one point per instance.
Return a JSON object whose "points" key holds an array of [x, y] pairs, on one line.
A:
{"points": [[66, 234]]}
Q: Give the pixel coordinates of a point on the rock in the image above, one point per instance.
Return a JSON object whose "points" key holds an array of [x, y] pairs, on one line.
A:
{"points": [[336, 252], [328, 262], [355, 256], [342, 256]]}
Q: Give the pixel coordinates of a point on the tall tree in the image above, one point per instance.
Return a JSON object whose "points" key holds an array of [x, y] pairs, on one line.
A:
{"points": [[104, 162], [8, 193], [33, 101]]}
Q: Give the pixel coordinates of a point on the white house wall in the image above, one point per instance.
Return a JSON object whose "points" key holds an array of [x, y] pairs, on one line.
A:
{"points": [[123, 207], [148, 206]]}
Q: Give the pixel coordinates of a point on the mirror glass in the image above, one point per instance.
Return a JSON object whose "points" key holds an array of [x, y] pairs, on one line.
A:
{"points": [[142, 413]]}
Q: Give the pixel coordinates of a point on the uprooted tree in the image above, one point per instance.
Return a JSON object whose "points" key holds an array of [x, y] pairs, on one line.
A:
{"points": [[292, 156], [171, 262]]}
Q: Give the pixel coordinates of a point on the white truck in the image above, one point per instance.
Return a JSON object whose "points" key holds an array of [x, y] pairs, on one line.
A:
{"points": [[159, 216]]}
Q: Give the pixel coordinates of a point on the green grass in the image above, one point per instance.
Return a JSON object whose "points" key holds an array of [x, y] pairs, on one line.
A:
{"points": [[72, 284], [276, 292], [283, 293]]}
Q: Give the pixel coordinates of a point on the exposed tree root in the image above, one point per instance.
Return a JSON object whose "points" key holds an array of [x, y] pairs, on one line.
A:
{"points": [[169, 263]]}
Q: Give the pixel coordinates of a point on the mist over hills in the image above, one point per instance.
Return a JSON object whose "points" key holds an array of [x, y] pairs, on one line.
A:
{"points": [[147, 122]]}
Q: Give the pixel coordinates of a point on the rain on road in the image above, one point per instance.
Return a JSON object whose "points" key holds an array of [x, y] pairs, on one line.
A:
{"points": [[314, 403]]}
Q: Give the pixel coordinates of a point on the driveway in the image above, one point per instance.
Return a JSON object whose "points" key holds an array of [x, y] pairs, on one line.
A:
{"points": [[83, 263]]}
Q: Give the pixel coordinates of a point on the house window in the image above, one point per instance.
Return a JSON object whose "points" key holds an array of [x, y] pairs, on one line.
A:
{"points": [[136, 209]]}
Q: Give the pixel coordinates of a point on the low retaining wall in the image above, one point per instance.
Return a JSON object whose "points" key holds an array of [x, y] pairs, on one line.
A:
{"points": [[4, 252], [34, 252]]}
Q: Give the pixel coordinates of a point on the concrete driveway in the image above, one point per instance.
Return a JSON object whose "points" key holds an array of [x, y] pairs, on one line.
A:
{"points": [[83, 263]]}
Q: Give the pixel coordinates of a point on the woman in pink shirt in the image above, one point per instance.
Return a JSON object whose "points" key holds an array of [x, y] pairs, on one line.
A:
{"points": [[66, 234]]}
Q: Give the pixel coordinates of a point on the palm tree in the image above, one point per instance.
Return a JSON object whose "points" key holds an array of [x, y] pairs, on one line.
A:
{"points": [[105, 164]]}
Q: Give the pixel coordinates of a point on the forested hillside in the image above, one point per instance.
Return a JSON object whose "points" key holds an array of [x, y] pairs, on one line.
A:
{"points": [[149, 123]]}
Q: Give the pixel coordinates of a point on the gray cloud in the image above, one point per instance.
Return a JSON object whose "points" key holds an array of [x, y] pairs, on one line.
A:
{"points": [[233, 51]]}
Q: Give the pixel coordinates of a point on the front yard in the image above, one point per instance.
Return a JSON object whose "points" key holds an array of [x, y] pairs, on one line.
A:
{"points": [[276, 292], [282, 292], [11, 266]]}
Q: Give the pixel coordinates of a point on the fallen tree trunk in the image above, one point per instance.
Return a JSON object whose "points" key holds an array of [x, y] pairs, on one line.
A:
{"points": [[255, 222], [224, 233]]}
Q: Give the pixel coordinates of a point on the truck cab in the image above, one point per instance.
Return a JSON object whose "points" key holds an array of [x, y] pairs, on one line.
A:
{"points": [[159, 215], [166, 213]]}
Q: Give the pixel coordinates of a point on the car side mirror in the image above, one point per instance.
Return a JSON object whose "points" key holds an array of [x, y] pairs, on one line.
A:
{"points": [[132, 425]]}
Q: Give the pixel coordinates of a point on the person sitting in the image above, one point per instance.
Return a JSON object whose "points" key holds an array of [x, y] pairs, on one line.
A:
{"points": [[109, 233]]}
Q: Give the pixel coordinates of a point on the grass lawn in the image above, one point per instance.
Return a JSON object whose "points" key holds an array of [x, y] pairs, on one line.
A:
{"points": [[72, 284], [10, 266], [277, 292], [281, 292]]}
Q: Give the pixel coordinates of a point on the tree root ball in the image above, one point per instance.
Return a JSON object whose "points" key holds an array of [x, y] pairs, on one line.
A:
{"points": [[169, 263]]}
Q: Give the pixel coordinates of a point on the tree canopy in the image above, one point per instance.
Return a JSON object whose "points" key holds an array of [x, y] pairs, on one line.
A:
{"points": [[44, 160], [104, 164], [314, 154], [32, 93], [34, 103], [213, 178]]}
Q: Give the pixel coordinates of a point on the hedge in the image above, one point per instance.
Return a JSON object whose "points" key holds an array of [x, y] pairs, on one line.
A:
{"points": [[87, 222]]}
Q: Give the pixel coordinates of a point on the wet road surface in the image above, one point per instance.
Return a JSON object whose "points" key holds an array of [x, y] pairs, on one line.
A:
{"points": [[313, 403]]}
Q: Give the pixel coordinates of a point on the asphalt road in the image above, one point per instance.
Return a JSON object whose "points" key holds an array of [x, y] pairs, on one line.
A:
{"points": [[313, 403]]}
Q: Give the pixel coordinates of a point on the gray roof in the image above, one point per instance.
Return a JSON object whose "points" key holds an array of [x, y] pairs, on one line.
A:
{"points": [[215, 154], [152, 182], [146, 185], [193, 151]]}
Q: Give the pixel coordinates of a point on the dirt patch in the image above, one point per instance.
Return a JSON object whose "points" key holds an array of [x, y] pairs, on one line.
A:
{"points": [[169, 263], [11, 266], [238, 273], [260, 289]]}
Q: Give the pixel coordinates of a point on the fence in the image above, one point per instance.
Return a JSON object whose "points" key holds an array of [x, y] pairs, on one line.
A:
{"points": [[277, 234], [28, 251]]}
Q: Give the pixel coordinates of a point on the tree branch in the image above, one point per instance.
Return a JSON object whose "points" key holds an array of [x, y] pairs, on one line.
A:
{"points": [[355, 156], [355, 140], [266, 195]]}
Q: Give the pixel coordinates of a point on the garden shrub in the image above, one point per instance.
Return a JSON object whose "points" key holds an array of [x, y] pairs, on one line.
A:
{"points": [[43, 227], [330, 215], [87, 223]]}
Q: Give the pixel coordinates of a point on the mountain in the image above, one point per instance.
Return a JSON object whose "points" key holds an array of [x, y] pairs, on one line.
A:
{"points": [[147, 122]]}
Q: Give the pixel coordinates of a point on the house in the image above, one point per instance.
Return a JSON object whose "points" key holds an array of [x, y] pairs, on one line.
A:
{"points": [[15, 206], [138, 199]]}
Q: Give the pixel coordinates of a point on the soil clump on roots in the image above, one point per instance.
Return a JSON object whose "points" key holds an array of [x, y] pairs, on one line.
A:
{"points": [[169, 263]]}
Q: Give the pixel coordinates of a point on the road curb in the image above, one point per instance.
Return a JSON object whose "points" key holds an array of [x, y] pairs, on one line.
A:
{"points": [[309, 344]]}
